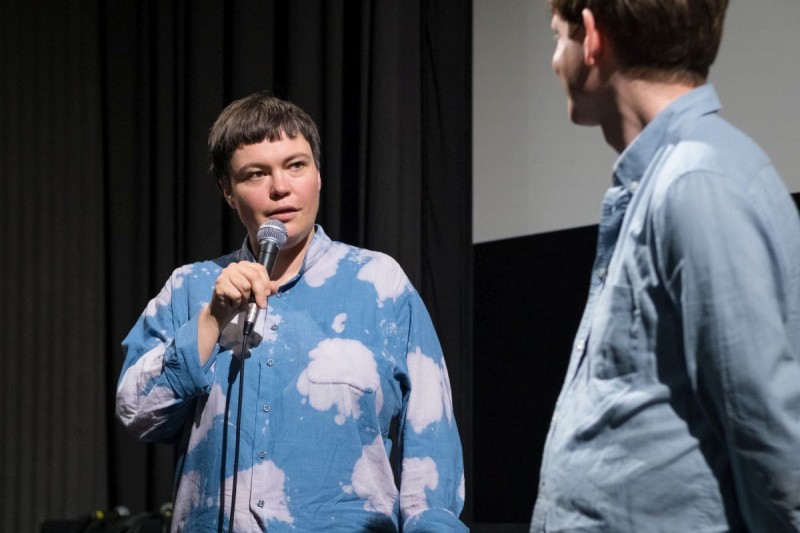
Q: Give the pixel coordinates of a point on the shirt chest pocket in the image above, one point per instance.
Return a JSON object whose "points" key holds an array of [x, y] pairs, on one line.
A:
{"points": [[349, 387], [319, 375], [616, 345]]}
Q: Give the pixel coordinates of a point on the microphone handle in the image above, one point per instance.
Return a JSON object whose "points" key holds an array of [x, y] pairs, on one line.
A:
{"points": [[266, 256]]}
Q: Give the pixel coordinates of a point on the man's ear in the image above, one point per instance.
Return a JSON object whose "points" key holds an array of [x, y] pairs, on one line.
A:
{"points": [[593, 40]]}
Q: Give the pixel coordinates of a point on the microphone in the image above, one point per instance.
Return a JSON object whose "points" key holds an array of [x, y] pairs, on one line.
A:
{"points": [[271, 236]]}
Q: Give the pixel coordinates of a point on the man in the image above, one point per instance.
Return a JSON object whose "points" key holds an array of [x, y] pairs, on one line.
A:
{"points": [[680, 410], [343, 350]]}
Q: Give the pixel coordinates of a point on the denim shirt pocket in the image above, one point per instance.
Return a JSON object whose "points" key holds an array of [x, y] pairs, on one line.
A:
{"points": [[618, 331], [351, 393], [326, 376]]}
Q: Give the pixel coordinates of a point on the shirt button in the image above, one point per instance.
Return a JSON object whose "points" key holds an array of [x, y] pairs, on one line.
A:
{"points": [[601, 273], [580, 345], [634, 185], [270, 362], [262, 455], [260, 503], [279, 294], [274, 327], [266, 408]]}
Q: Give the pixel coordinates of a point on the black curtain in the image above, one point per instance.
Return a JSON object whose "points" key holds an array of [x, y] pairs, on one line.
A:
{"points": [[53, 350], [104, 110]]}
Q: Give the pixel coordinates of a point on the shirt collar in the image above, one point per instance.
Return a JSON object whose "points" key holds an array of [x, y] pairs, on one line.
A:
{"points": [[244, 252], [632, 163], [318, 247]]}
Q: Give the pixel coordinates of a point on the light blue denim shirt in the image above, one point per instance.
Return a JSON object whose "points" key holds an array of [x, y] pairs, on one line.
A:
{"points": [[680, 410], [343, 350]]}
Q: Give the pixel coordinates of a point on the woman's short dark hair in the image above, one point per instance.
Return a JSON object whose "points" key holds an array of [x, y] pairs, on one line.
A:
{"points": [[251, 120], [655, 39]]}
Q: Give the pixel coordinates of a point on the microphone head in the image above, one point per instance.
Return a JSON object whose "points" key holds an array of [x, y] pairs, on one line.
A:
{"points": [[272, 231]]}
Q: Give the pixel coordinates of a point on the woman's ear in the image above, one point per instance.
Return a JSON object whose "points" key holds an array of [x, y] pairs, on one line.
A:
{"points": [[225, 187]]}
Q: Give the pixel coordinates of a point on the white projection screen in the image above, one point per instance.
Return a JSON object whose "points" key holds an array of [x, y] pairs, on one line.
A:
{"points": [[534, 172]]}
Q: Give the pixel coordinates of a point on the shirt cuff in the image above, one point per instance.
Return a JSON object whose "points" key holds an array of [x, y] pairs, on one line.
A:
{"points": [[182, 363]]}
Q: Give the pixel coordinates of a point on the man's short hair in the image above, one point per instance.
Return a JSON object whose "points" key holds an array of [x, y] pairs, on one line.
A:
{"points": [[254, 119], [655, 39]]}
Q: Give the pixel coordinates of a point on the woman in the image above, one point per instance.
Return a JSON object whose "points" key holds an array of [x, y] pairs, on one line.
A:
{"points": [[343, 350]]}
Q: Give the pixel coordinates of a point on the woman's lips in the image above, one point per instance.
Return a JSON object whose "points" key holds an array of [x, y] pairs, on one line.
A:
{"points": [[283, 214]]}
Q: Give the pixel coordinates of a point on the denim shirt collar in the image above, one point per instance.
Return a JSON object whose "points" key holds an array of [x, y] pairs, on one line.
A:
{"points": [[316, 250], [632, 163]]}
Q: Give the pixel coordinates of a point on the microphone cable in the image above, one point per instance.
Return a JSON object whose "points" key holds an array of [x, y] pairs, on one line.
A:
{"points": [[272, 234], [237, 435]]}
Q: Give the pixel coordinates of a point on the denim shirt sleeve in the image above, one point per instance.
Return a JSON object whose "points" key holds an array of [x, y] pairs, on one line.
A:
{"points": [[734, 280], [432, 476], [162, 375]]}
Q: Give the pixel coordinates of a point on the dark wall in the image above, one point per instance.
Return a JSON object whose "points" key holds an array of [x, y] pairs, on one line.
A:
{"points": [[528, 298]]}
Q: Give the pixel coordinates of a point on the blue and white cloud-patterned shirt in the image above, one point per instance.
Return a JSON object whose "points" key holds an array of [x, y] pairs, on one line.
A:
{"points": [[342, 350]]}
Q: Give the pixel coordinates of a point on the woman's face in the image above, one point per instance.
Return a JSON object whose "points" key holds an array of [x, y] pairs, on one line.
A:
{"points": [[275, 180]]}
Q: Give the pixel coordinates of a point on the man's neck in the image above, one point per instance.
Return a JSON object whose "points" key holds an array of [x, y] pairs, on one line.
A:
{"points": [[635, 103]]}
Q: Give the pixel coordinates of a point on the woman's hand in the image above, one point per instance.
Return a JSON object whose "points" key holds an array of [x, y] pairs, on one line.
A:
{"points": [[232, 291]]}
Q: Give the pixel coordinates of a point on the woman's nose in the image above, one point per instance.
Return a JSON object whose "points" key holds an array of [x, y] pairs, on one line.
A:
{"points": [[280, 185]]}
